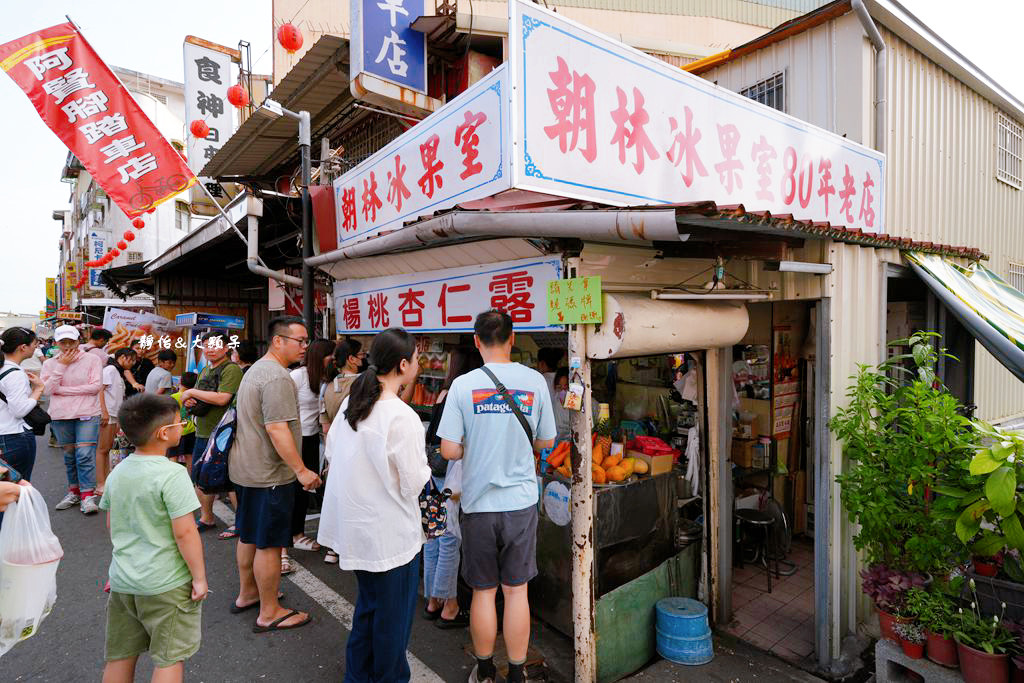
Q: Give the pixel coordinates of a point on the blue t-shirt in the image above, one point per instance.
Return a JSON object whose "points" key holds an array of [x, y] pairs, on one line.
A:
{"points": [[498, 471]]}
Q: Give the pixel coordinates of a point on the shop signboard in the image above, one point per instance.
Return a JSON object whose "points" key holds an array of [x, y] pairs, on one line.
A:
{"points": [[575, 300], [83, 102], [385, 45], [97, 248], [70, 276], [51, 295], [214, 320], [456, 155], [448, 300], [597, 120]]}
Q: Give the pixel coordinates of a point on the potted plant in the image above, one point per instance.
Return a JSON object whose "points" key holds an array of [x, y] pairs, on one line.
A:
{"points": [[911, 637], [983, 644], [888, 589], [987, 565], [935, 611]]}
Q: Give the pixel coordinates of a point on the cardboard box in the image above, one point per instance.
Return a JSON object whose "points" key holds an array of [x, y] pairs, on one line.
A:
{"points": [[761, 408], [658, 464], [743, 452]]}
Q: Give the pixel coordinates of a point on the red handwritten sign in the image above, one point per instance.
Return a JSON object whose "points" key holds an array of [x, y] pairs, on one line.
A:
{"points": [[83, 102]]}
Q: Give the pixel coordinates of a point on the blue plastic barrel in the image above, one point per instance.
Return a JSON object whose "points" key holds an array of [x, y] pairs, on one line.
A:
{"points": [[683, 634]]}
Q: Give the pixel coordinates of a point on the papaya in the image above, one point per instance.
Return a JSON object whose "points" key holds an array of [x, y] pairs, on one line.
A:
{"points": [[565, 471], [640, 466], [615, 473], [628, 464], [611, 461], [598, 475]]}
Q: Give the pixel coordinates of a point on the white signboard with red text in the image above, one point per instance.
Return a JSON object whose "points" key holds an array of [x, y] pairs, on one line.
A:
{"points": [[598, 120], [457, 154], [448, 300]]}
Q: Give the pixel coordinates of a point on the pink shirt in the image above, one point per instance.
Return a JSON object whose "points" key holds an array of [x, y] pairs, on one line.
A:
{"points": [[99, 353], [74, 390]]}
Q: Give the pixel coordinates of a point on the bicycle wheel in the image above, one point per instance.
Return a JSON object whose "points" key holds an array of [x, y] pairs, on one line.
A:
{"points": [[177, 182]]}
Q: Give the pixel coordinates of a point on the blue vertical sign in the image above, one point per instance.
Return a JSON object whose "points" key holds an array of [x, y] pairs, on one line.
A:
{"points": [[97, 247], [384, 44]]}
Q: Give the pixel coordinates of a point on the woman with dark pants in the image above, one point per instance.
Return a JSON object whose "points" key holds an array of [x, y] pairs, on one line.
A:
{"points": [[21, 391], [308, 380]]}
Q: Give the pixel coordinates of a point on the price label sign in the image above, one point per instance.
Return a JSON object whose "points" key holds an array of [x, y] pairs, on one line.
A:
{"points": [[576, 300]]}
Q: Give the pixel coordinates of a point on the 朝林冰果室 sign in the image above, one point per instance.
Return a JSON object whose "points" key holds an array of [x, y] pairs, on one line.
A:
{"points": [[576, 300]]}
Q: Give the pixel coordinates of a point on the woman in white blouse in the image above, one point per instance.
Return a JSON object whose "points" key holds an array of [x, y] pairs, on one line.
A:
{"points": [[371, 515], [21, 392]]}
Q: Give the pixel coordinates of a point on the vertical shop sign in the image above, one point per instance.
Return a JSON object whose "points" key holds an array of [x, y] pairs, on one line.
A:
{"points": [[97, 248], [83, 102], [51, 295], [70, 277], [597, 120], [385, 45], [207, 79]]}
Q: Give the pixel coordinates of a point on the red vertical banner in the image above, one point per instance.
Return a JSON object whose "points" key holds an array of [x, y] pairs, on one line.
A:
{"points": [[83, 102]]}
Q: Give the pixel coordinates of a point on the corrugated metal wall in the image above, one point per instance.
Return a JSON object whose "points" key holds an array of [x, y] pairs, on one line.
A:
{"points": [[767, 13]]}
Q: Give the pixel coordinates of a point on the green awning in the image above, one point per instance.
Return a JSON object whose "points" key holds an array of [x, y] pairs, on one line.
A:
{"points": [[983, 302]]}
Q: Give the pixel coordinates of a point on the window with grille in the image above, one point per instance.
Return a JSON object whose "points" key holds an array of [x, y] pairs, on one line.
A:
{"points": [[181, 216], [134, 257], [1016, 276], [1009, 151], [771, 91]]}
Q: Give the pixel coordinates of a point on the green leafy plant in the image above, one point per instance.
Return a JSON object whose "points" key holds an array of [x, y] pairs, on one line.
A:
{"points": [[935, 608], [912, 633], [988, 634], [904, 435]]}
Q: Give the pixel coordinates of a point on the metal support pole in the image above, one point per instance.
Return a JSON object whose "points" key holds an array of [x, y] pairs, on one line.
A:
{"points": [[582, 508], [307, 226]]}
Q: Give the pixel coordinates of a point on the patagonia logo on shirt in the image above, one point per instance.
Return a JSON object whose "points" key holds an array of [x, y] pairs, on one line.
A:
{"points": [[488, 401]]}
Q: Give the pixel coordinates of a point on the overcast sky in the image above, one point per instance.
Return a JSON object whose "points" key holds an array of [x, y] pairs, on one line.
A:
{"points": [[146, 37]]}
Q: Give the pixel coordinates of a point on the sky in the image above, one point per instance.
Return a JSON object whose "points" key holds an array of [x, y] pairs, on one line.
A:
{"points": [[144, 37]]}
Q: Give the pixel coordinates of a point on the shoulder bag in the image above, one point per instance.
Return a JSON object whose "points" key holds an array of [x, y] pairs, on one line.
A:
{"points": [[208, 383], [37, 418]]}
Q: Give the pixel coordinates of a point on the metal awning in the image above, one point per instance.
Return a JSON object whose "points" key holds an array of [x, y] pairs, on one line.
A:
{"points": [[983, 302], [209, 231], [319, 84]]}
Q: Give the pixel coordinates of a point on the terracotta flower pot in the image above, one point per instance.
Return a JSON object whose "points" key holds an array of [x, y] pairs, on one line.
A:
{"points": [[912, 650], [978, 666], [985, 567], [942, 650], [1017, 670], [886, 622]]}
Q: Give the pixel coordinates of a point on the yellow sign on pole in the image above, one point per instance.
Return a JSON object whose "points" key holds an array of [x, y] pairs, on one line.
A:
{"points": [[51, 294], [70, 277], [577, 300]]}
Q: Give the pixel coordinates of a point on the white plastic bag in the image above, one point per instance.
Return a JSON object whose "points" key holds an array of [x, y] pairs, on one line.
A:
{"points": [[29, 555]]}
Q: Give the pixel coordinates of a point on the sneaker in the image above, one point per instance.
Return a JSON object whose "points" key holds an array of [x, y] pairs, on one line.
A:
{"points": [[68, 501], [90, 506], [474, 679]]}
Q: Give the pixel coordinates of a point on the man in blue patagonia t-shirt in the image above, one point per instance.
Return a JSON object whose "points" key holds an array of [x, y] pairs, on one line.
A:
{"points": [[499, 488]]}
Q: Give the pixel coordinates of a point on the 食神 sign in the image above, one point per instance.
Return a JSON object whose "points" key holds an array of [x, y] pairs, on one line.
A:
{"points": [[448, 300], [598, 120], [83, 102], [384, 43], [455, 155], [207, 79]]}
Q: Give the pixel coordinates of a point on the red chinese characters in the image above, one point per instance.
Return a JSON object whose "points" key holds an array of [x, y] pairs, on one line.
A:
{"points": [[728, 169], [510, 292], [684, 148], [442, 302], [411, 307], [635, 135], [431, 178], [763, 153], [349, 212], [351, 314], [467, 139], [825, 187], [867, 210], [377, 312], [572, 103], [846, 194], [397, 189], [371, 202]]}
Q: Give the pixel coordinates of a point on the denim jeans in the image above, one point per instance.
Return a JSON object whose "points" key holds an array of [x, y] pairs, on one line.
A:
{"points": [[81, 461], [19, 451], [381, 625], [441, 567]]}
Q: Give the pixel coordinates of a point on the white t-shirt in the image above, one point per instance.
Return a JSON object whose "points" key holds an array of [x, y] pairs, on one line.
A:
{"points": [[158, 379], [19, 402], [113, 391], [309, 403], [371, 512]]}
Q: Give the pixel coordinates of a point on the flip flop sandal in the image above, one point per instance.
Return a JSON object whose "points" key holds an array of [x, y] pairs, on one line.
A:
{"points": [[331, 557], [235, 609], [276, 624], [286, 566], [306, 543], [461, 620], [203, 526], [228, 533], [431, 614]]}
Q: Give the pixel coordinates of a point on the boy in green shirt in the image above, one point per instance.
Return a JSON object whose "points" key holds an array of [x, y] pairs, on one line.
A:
{"points": [[157, 574]]}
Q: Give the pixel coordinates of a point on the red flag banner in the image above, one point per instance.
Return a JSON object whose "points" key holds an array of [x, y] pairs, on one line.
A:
{"points": [[84, 103]]}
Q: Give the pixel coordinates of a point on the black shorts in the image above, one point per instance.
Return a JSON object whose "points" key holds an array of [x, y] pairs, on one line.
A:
{"points": [[499, 547], [264, 516]]}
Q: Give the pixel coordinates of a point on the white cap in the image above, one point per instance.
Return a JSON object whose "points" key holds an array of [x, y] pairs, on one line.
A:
{"points": [[65, 332]]}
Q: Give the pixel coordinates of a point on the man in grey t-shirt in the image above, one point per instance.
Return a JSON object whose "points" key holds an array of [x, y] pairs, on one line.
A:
{"points": [[263, 464], [158, 381]]}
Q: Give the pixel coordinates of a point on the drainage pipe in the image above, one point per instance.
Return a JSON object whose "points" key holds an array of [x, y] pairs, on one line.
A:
{"points": [[875, 36]]}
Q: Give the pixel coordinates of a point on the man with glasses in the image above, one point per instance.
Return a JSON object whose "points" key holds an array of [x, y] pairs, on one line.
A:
{"points": [[264, 463], [208, 401]]}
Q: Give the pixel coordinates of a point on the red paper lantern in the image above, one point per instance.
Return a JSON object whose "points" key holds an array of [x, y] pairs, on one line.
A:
{"points": [[138, 224], [122, 245], [238, 96], [199, 129], [290, 37], [115, 253], [129, 235]]}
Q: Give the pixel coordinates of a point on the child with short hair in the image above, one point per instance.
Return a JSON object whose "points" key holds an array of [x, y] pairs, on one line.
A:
{"points": [[159, 380], [157, 573], [182, 453]]}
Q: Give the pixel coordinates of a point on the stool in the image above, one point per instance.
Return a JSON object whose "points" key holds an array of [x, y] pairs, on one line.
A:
{"points": [[762, 521]]}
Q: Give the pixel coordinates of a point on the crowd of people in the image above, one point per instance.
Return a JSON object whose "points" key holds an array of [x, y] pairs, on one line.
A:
{"points": [[318, 424]]}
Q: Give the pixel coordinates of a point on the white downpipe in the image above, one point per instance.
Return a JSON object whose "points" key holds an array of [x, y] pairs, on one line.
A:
{"points": [[875, 36], [252, 256]]}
